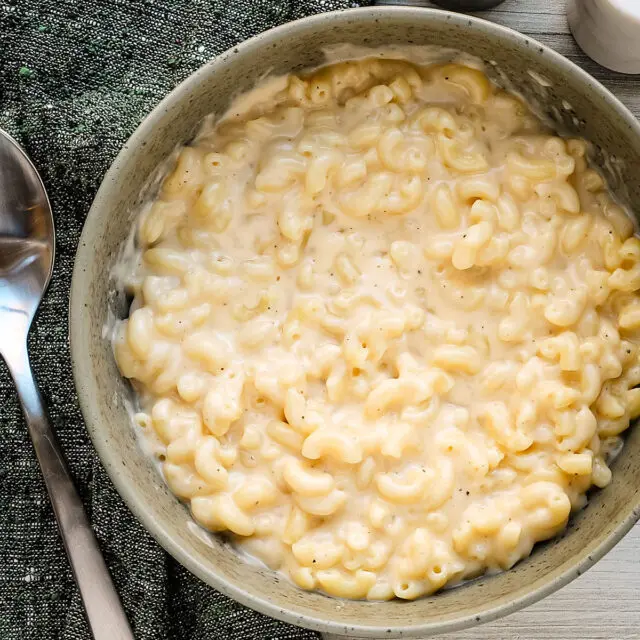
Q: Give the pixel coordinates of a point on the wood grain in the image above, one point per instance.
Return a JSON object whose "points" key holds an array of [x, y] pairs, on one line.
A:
{"points": [[604, 603]]}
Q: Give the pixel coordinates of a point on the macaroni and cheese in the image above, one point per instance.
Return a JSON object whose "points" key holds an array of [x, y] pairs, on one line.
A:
{"points": [[385, 328]]}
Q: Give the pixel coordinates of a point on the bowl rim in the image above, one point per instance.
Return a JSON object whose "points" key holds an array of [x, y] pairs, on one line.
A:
{"points": [[82, 369]]}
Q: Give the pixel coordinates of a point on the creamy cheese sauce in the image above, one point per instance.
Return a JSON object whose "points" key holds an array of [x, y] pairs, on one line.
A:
{"points": [[385, 327]]}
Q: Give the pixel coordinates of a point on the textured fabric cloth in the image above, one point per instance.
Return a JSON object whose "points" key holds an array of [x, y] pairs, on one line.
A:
{"points": [[76, 78]]}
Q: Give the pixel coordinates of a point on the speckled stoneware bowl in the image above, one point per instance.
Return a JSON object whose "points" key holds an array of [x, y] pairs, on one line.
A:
{"points": [[544, 76]]}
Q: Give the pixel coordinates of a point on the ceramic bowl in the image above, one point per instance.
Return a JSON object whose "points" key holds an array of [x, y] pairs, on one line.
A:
{"points": [[555, 85]]}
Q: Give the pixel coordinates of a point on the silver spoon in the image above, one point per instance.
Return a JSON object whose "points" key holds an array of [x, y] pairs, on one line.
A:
{"points": [[27, 244]]}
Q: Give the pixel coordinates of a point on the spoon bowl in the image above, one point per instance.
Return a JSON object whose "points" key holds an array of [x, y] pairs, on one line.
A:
{"points": [[27, 238], [27, 249]]}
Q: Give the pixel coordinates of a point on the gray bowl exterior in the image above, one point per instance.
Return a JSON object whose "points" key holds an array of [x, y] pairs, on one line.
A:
{"points": [[594, 113]]}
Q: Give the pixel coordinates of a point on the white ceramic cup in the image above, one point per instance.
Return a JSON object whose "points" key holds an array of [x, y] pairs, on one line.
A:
{"points": [[608, 31]]}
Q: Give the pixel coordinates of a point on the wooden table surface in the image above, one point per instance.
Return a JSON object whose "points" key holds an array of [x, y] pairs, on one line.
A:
{"points": [[604, 603]]}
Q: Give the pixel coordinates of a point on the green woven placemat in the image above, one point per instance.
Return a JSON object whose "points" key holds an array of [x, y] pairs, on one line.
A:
{"points": [[76, 78]]}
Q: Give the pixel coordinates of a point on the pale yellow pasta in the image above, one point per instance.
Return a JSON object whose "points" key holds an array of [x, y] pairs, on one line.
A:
{"points": [[305, 481], [386, 327]]}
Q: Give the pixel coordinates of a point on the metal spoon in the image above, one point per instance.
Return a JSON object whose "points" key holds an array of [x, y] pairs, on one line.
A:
{"points": [[27, 244]]}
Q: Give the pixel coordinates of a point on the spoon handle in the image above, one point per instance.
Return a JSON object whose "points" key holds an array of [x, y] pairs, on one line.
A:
{"points": [[105, 614]]}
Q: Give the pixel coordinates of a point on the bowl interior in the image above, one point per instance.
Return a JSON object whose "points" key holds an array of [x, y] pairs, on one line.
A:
{"points": [[567, 94]]}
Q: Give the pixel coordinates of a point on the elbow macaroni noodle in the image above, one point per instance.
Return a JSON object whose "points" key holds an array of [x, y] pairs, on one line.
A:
{"points": [[386, 328]]}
